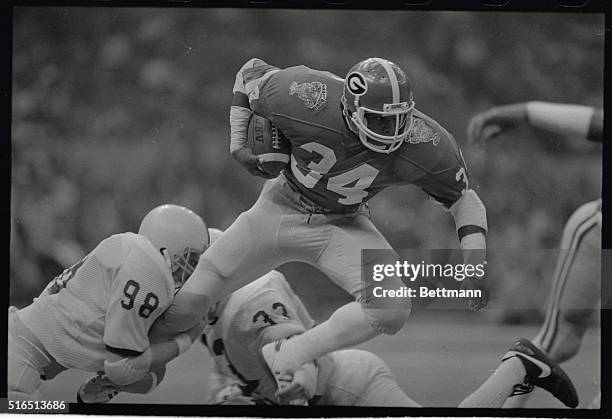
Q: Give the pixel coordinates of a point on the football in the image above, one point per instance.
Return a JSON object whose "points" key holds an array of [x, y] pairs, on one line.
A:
{"points": [[267, 142]]}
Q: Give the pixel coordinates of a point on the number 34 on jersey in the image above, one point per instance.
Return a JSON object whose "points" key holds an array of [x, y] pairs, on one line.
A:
{"points": [[350, 185]]}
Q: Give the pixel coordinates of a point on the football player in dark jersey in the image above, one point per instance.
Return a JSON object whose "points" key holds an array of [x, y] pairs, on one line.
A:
{"points": [[350, 138], [575, 290]]}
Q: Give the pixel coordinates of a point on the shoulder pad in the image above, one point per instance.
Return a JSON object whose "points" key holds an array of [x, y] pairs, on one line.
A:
{"points": [[430, 146]]}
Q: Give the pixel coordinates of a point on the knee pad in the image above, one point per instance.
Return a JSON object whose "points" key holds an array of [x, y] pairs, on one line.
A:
{"points": [[389, 320]]}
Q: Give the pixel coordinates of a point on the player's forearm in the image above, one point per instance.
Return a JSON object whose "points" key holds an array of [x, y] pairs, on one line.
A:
{"points": [[164, 352], [563, 119], [124, 371], [147, 384], [239, 122], [240, 111], [184, 313]]}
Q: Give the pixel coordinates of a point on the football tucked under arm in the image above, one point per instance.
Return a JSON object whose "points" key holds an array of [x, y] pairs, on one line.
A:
{"points": [[269, 145], [246, 89]]}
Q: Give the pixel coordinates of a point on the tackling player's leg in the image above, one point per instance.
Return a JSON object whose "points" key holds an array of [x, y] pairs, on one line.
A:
{"points": [[355, 377], [27, 361]]}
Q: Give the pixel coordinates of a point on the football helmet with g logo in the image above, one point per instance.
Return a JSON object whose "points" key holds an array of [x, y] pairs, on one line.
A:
{"points": [[378, 101]]}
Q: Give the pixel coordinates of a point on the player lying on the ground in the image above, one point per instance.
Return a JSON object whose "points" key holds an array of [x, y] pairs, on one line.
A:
{"points": [[575, 290], [268, 309], [350, 138], [96, 315]]}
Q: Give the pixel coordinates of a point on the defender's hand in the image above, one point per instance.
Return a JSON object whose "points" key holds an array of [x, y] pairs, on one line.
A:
{"points": [[476, 303], [250, 162], [302, 387], [97, 389], [487, 125]]}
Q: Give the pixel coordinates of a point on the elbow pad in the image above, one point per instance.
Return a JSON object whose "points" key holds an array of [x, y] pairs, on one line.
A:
{"points": [[469, 211], [128, 370]]}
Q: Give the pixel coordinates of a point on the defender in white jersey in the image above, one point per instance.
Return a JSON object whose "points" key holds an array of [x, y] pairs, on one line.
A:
{"points": [[96, 315], [267, 310], [575, 289]]}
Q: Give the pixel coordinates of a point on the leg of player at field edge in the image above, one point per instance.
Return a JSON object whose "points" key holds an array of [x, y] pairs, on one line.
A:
{"points": [[360, 378], [356, 377], [522, 368], [25, 362], [575, 289]]}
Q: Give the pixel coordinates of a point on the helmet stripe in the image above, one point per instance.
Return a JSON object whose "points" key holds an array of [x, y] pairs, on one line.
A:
{"points": [[392, 79]]}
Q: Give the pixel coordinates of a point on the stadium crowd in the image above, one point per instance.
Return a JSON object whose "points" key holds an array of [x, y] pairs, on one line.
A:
{"points": [[117, 111]]}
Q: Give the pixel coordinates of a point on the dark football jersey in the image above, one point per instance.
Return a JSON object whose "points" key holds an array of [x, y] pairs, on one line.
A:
{"points": [[329, 164]]}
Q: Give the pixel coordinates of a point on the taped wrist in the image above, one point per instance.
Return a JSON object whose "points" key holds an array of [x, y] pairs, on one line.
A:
{"points": [[239, 124], [474, 241], [183, 341]]}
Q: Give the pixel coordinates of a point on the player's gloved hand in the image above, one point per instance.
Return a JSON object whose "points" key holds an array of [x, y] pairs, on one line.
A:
{"points": [[250, 161], [302, 386], [97, 389], [476, 303], [487, 125]]}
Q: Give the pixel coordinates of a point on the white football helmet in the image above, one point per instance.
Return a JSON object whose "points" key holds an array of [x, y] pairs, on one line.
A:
{"points": [[214, 234], [180, 235], [376, 88]]}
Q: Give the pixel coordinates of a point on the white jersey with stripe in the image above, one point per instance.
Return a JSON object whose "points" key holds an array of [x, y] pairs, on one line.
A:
{"points": [[242, 323], [108, 299]]}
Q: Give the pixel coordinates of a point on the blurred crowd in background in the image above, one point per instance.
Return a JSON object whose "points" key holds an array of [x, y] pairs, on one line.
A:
{"points": [[117, 110]]}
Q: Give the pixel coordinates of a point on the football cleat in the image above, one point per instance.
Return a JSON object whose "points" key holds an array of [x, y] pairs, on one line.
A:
{"points": [[279, 366], [542, 372], [97, 389]]}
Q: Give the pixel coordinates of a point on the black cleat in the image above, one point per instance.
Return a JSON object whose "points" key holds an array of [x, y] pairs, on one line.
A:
{"points": [[542, 372]]}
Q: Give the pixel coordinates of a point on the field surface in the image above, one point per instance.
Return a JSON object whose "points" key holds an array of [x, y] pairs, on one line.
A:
{"points": [[438, 359]]}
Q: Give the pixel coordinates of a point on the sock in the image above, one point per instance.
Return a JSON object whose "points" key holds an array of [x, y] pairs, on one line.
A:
{"points": [[347, 326], [520, 400], [517, 402], [499, 386]]}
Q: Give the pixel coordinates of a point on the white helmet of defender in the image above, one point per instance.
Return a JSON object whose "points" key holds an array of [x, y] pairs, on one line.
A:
{"points": [[214, 234], [180, 235]]}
